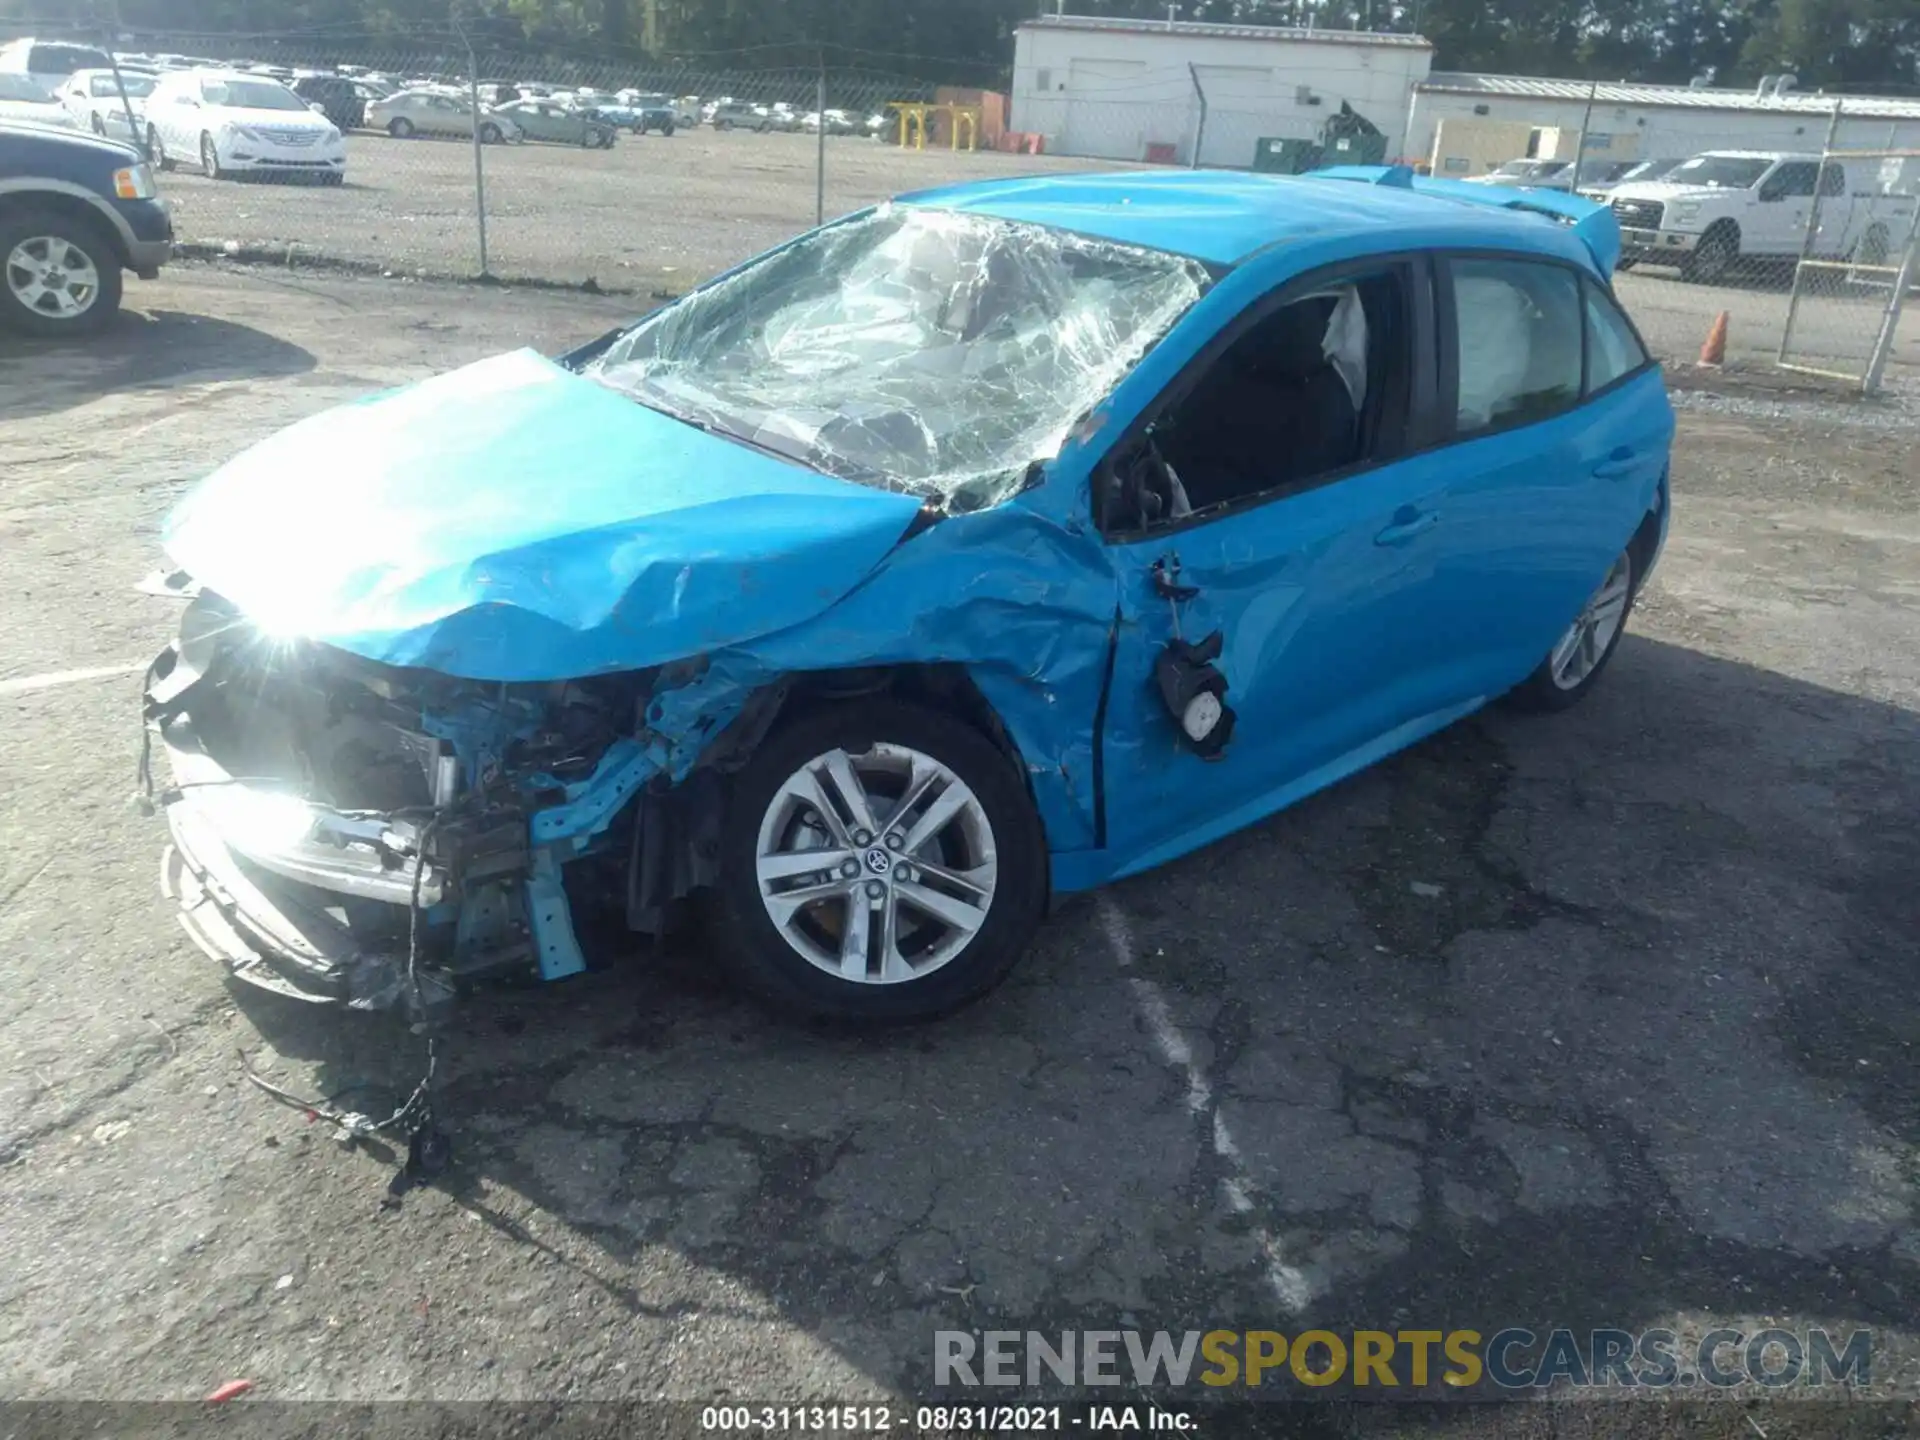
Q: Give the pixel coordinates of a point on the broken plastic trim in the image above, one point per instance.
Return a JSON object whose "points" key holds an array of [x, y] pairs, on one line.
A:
{"points": [[911, 349]]}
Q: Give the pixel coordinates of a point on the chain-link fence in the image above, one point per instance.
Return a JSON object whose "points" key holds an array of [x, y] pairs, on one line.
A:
{"points": [[1852, 277], [461, 157]]}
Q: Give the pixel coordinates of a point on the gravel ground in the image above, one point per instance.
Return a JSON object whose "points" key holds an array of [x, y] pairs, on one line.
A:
{"points": [[661, 213], [1603, 1020]]}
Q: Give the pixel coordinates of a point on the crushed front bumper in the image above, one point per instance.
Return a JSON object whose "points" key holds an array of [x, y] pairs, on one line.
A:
{"points": [[1657, 244], [347, 831], [292, 897]]}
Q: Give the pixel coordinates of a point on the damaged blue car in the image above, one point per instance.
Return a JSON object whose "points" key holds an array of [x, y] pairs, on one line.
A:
{"points": [[984, 546]]}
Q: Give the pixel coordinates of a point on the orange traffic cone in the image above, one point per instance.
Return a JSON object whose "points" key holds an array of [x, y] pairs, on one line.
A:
{"points": [[1714, 352]]}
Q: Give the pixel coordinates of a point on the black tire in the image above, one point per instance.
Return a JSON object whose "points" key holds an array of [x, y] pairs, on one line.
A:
{"points": [[762, 960], [210, 159], [83, 236], [400, 128], [666, 127], [156, 151], [639, 127], [1710, 260], [1624, 264], [1542, 693], [489, 133]]}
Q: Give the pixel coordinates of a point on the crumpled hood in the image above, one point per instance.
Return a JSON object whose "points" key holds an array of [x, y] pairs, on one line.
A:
{"points": [[513, 521]]}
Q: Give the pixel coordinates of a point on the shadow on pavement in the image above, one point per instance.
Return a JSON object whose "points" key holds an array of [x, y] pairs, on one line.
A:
{"points": [[1594, 1021], [139, 350]]}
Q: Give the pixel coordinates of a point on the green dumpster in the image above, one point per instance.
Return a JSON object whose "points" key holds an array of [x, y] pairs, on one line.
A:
{"points": [[1355, 150], [1278, 155]]}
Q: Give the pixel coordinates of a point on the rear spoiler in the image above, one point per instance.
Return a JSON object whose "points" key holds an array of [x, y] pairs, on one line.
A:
{"points": [[1593, 223]]}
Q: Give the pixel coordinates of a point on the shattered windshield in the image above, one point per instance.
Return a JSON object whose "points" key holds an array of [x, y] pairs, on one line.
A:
{"points": [[917, 350]]}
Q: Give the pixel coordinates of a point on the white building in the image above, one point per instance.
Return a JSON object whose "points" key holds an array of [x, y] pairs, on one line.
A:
{"points": [[1637, 122], [1137, 89]]}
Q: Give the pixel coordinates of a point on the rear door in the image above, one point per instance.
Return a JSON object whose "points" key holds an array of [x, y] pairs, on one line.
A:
{"points": [[1561, 434], [1834, 229]]}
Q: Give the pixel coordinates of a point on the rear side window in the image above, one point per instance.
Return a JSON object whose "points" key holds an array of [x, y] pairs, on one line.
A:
{"points": [[1518, 342], [1833, 179], [1613, 350]]}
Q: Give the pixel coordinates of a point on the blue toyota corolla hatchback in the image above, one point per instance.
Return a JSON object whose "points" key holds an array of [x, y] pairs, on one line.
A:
{"points": [[984, 546]]}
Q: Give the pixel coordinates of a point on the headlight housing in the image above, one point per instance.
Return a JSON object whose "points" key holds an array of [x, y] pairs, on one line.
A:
{"points": [[1684, 211], [135, 182]]}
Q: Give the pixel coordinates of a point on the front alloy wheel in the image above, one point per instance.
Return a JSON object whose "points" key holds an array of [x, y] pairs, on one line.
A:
{"points": [[209, 158], [877, 868], [59, 276], [1577, 659], [880, 862]]}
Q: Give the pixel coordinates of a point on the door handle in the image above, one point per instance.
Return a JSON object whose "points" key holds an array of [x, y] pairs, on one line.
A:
{"points": [[1407, 523], [1617, 466]]}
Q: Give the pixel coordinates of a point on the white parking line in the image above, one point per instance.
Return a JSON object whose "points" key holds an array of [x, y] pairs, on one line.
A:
{"points": [[1290, 1287], [27, 684]]}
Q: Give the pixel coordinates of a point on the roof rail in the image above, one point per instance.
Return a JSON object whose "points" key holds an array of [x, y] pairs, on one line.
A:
{"points": [[1593, 223]]}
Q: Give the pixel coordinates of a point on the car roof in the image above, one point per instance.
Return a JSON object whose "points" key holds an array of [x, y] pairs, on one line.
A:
{"points": [[1223, 216], [1753, 155], [222, 76]]}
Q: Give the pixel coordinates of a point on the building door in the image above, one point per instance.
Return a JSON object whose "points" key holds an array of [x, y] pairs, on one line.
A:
{"points": [[1103, 110], [1243, 109]]}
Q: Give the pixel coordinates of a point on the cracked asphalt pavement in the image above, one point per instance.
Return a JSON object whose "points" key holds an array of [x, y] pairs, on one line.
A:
{"points": [[1607, 1019]]}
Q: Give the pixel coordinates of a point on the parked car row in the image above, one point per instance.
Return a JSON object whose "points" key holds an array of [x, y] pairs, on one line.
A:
{"points": [[729, 113], [1594, 177]]}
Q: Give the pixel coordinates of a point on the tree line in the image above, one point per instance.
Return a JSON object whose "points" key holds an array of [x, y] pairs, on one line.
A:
{"points": [[1835, 44]]}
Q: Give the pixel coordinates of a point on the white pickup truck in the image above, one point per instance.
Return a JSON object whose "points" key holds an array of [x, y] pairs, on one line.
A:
{"points": [[1709, 213]]}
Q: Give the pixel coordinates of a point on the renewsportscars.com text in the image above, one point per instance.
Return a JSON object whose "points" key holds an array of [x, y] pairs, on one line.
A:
{"points": [[1508, 1359]]}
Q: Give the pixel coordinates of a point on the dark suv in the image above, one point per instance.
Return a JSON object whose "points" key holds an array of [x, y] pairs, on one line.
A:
{"points": [[339, 99], [75, 211]]}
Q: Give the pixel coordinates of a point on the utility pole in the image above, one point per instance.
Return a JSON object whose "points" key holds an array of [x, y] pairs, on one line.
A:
{"points": [[1580, 147], [820, 144], [479, 167]]}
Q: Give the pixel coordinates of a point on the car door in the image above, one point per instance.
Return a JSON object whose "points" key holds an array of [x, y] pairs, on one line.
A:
{"points": [[175, 118], [1561, 431], [1834, 228], [1777, 221], [1321, 588]]}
